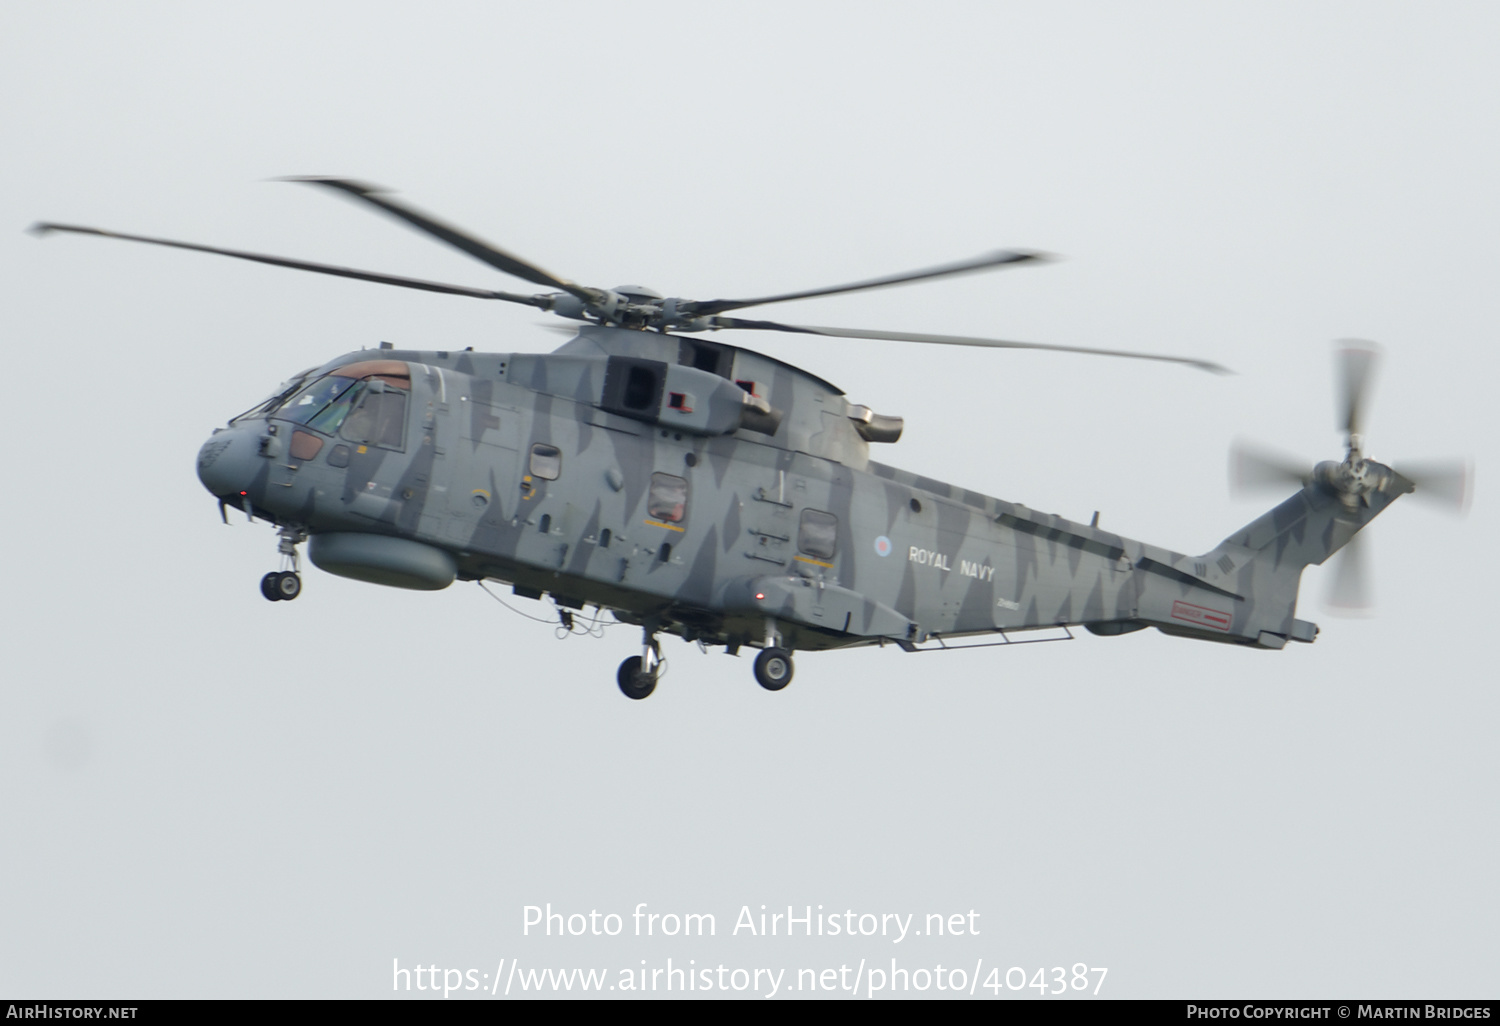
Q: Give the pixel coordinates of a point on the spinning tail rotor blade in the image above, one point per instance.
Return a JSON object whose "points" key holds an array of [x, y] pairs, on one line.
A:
{"points": [[1000, 258], [1252, 468], [1350, 592], [1446, 483], [492, 255], [1357, 362], [302, 265], [954, 340]]}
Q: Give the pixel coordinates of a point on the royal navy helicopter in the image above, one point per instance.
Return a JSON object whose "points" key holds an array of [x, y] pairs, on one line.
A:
{"points": [[701, 489]]}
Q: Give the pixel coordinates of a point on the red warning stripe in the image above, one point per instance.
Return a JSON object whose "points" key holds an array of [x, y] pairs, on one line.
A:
{"points": [[1201, 615]]}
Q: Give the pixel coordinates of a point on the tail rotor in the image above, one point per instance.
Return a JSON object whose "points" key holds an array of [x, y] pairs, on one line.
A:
{"points": [[1446, 484]]}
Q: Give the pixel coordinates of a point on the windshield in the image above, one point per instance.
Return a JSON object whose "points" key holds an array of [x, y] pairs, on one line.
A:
{"points": [[276, 398], [374, 391], [322, 405]]}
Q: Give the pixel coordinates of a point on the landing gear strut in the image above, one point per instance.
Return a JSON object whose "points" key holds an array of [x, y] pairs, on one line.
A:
{"points": [[285, 584], [638, 674]]}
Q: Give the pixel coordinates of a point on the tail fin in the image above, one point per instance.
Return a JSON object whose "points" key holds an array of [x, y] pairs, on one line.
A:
{"points": [[1264, 559]]}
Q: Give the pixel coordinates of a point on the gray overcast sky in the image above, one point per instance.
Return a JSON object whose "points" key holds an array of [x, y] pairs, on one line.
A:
{"points": [[205, 794]]}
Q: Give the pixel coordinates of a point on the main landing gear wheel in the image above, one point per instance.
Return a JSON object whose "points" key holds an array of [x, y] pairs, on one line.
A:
{"points": [[638, 674], [634, 682], [281, 587], [773, 668]]}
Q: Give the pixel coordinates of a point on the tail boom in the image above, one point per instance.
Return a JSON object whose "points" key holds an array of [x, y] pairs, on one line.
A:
{"points": [[1244, 591]]}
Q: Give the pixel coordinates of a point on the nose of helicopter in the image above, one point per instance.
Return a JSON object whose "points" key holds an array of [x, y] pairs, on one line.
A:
{"points": [[227, 463]]}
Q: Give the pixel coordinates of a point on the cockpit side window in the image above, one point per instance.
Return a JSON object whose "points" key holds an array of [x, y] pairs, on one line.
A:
{"points": [[379, 419]]}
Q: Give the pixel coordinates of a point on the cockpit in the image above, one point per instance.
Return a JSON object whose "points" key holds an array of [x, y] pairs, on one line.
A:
{"points": [[361, 402]]}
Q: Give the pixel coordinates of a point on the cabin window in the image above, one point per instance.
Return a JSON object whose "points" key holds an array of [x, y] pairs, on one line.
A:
{"points": [[818, 534], [546, 461], [668, 498]]}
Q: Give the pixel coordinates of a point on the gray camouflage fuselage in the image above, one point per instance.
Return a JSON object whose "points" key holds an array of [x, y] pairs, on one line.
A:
{"points": [[558, 474]]}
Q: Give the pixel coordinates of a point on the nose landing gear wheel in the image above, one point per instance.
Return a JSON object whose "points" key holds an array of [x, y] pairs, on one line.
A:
{"points": [[285, 585], [281, 587], [773, 668], [634, 682]]}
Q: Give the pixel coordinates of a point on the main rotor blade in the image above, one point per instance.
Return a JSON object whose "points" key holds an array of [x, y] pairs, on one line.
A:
{"points": [[999, 258], [953, 340], [303, 265], [1253, 468], [1357, 361], [1350, 594], [1444, 482], [492, 255]]}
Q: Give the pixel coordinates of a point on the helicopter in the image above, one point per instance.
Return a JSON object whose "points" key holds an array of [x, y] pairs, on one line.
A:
{"points": [[697, 488]]}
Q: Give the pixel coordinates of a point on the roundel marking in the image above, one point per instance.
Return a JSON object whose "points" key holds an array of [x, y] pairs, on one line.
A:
{"points": [[882, 546]]}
